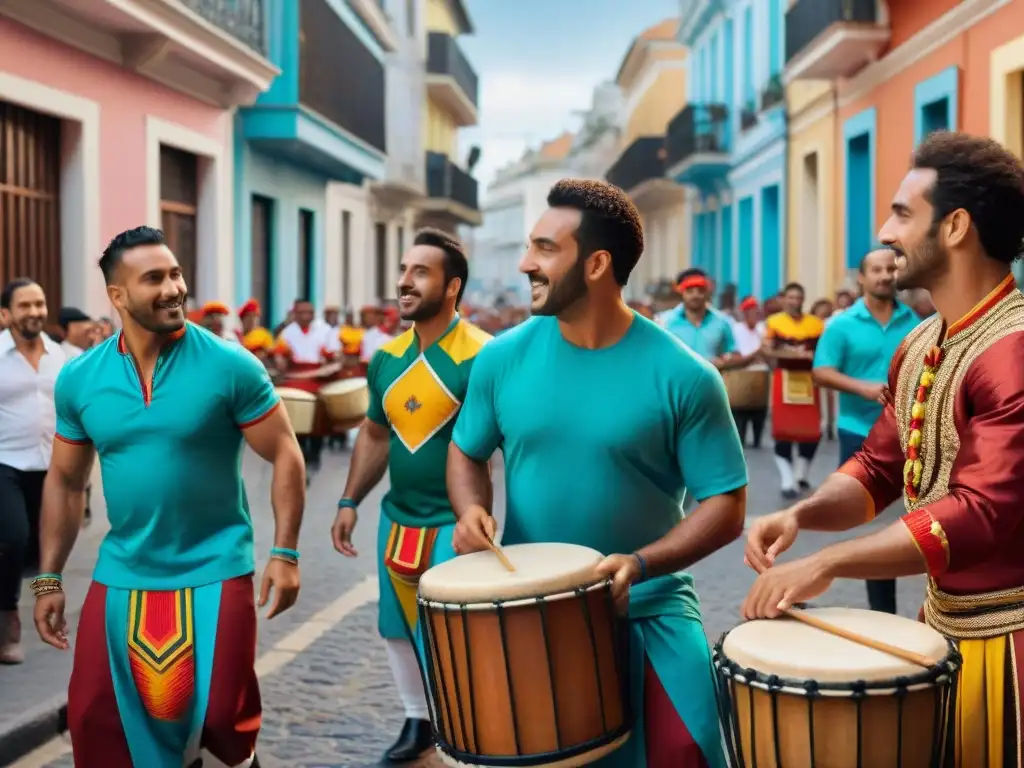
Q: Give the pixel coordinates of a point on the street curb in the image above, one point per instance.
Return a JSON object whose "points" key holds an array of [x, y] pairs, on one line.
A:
{"points": [[32, 729]]}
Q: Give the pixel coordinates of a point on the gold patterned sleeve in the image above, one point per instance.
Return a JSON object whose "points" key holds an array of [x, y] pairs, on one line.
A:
{"points": [[984, 504]]}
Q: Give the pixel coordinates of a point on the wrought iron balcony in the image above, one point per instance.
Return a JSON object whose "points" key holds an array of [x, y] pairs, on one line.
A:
{"points": [[774, 93], [451, 79], [244, 20], [828, 39], [698, 129], [642, 161], [446, 181]]}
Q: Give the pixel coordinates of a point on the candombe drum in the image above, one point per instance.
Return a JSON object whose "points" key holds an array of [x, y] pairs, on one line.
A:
{"points": [[346, 400], [301, 408], [525, 668], [747, 389], [794, 695]]}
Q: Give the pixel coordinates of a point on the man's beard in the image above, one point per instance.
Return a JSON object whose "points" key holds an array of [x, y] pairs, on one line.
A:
{"points": [[147, 317], [427, 309], [29, 329], [922, 265], [565, 292]]}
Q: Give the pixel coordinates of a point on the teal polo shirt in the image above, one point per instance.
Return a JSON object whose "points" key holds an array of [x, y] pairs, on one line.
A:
{"points": [[712, 338], [857, 345], [171, 459]]}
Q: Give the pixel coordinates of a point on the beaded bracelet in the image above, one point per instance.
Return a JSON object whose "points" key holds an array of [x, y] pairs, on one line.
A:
{"points": [[47, 584], [283, 553], [347, 504]]}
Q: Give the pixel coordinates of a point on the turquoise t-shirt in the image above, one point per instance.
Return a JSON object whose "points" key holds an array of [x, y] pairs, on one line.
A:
{"points": [[857, 345], [712, 338], [171, 459], [600, 445]]}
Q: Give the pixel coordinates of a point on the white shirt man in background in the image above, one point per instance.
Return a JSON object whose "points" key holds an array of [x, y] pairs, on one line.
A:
{"points": [[748, 333]]}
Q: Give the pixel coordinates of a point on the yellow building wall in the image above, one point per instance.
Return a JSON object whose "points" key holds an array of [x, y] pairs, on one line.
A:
{"points": [[440, 133], [814, 225], [657, 106], [440, 18]]}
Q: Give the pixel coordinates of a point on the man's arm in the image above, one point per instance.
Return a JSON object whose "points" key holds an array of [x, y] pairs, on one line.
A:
{"points": [[274, 440], [63, 501], [372, 447], [829, 359], [714, 470]]}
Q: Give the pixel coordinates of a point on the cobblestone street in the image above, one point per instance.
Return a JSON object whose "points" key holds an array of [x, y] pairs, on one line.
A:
{"points": [[326, 685]]}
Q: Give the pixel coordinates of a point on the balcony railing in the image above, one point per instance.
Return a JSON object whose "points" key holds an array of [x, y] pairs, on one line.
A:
{"points": [[809, 18], [328, 47], [444, 57], [446, 181], [642, 161], [244, 20], [698, 128], [773, 93]]}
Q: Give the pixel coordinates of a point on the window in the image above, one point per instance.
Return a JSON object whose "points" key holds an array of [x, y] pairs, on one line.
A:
{"points": [[179, 195], [346, 259], [262, 261], [410, 18], [306, 257], [380, 251]]}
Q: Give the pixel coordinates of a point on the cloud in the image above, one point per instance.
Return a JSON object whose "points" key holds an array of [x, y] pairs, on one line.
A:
{"points": [[520, 110]]}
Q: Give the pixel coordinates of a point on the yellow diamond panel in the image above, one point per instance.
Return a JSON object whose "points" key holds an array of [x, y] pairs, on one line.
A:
{"points": [[418, 406]]}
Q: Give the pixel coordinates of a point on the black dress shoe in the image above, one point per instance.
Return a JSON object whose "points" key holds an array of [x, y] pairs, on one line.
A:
{"points": [[415, 739]]}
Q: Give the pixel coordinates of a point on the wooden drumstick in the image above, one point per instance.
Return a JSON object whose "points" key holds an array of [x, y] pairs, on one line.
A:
{"points": [[500, 554], [900, 653]]}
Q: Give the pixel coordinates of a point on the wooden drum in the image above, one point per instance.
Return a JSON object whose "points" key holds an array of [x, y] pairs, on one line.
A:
{"points": [[526, 668], [748, 390], [793, 695], [301, 408], [346, 400]]}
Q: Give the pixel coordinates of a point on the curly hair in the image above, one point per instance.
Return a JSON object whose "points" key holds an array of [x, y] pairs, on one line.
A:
{"points": [[985, 179], [455, 262], [609, 222]]}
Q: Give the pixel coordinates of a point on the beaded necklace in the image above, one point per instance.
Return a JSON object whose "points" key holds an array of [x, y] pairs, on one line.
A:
{"points": [[912, 466]]}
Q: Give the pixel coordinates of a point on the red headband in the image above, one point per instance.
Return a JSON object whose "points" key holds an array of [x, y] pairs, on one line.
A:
{"points": [[694, 281]]}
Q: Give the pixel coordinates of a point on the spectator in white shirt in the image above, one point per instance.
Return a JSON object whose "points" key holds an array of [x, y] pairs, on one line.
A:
{"points": [[380, 334], [29, 363], [748, 333]]}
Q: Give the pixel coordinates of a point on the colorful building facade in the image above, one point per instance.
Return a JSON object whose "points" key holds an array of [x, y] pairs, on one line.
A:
{"points": [[898, 72], [652, 79], [728, 144], [111, 130]]}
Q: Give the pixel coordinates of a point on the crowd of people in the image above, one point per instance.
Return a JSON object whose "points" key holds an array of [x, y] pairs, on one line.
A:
{"points": [[610, 419]]}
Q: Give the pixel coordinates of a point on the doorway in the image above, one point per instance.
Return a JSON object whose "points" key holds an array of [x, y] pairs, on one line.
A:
{"points": [[809, 256]]}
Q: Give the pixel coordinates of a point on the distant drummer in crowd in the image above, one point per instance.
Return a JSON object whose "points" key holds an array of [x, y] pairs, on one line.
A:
{"points": [[253, 336], [416, 382], [749, 333], [605, 422], [306, 345], [212, 318], [707, 333], [384, 324]]}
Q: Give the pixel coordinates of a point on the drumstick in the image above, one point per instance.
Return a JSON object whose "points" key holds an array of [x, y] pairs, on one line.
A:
{"points": [[500, 554], [900, 653]]}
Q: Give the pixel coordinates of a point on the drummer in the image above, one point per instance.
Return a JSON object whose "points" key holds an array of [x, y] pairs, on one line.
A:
{"points": [[305, 345], [749, 334], [212, 318], [253, 336], [417, 382], [707, 333], [604, 423]]}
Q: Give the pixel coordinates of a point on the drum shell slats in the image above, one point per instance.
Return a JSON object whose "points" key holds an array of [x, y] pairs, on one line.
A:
{"points": [[526, 682]]}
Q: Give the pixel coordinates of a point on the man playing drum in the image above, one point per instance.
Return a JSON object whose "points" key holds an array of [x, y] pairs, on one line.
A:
{"points": [[604, 420], [951, 440], [417, 383]]}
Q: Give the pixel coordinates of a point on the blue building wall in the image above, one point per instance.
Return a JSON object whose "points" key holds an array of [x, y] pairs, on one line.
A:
{"points": [[736, 50]]}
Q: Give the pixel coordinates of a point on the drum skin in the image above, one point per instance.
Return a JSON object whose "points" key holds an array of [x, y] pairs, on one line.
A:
{"points": [[301, 408], [533, 677], [346, 400], [747, 389], [782, 724]]}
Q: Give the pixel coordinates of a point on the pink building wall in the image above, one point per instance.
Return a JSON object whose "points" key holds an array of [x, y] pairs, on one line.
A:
{"points": [[125, 100]]}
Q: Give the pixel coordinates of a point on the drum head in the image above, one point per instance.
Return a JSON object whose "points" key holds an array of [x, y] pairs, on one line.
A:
{"points": [[790, 649], [541, 569], [342, 387], [288, 393]]}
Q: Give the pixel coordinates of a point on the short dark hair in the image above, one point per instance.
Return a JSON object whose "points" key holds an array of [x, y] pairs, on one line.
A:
{"points": [[455, 262], [124, 242], [985, 179], [7, 295], [793, 287], [609, 222], [691, 272]]}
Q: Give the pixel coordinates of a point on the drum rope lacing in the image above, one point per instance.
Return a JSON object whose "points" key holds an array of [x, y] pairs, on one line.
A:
{"points": [[942, 676]]}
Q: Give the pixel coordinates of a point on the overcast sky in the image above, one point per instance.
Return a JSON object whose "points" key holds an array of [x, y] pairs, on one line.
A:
{"points": [[538, 62]]}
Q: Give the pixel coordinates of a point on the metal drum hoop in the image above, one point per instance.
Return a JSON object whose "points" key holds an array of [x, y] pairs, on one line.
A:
{"points": [[620, 648], [943, 676]]}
